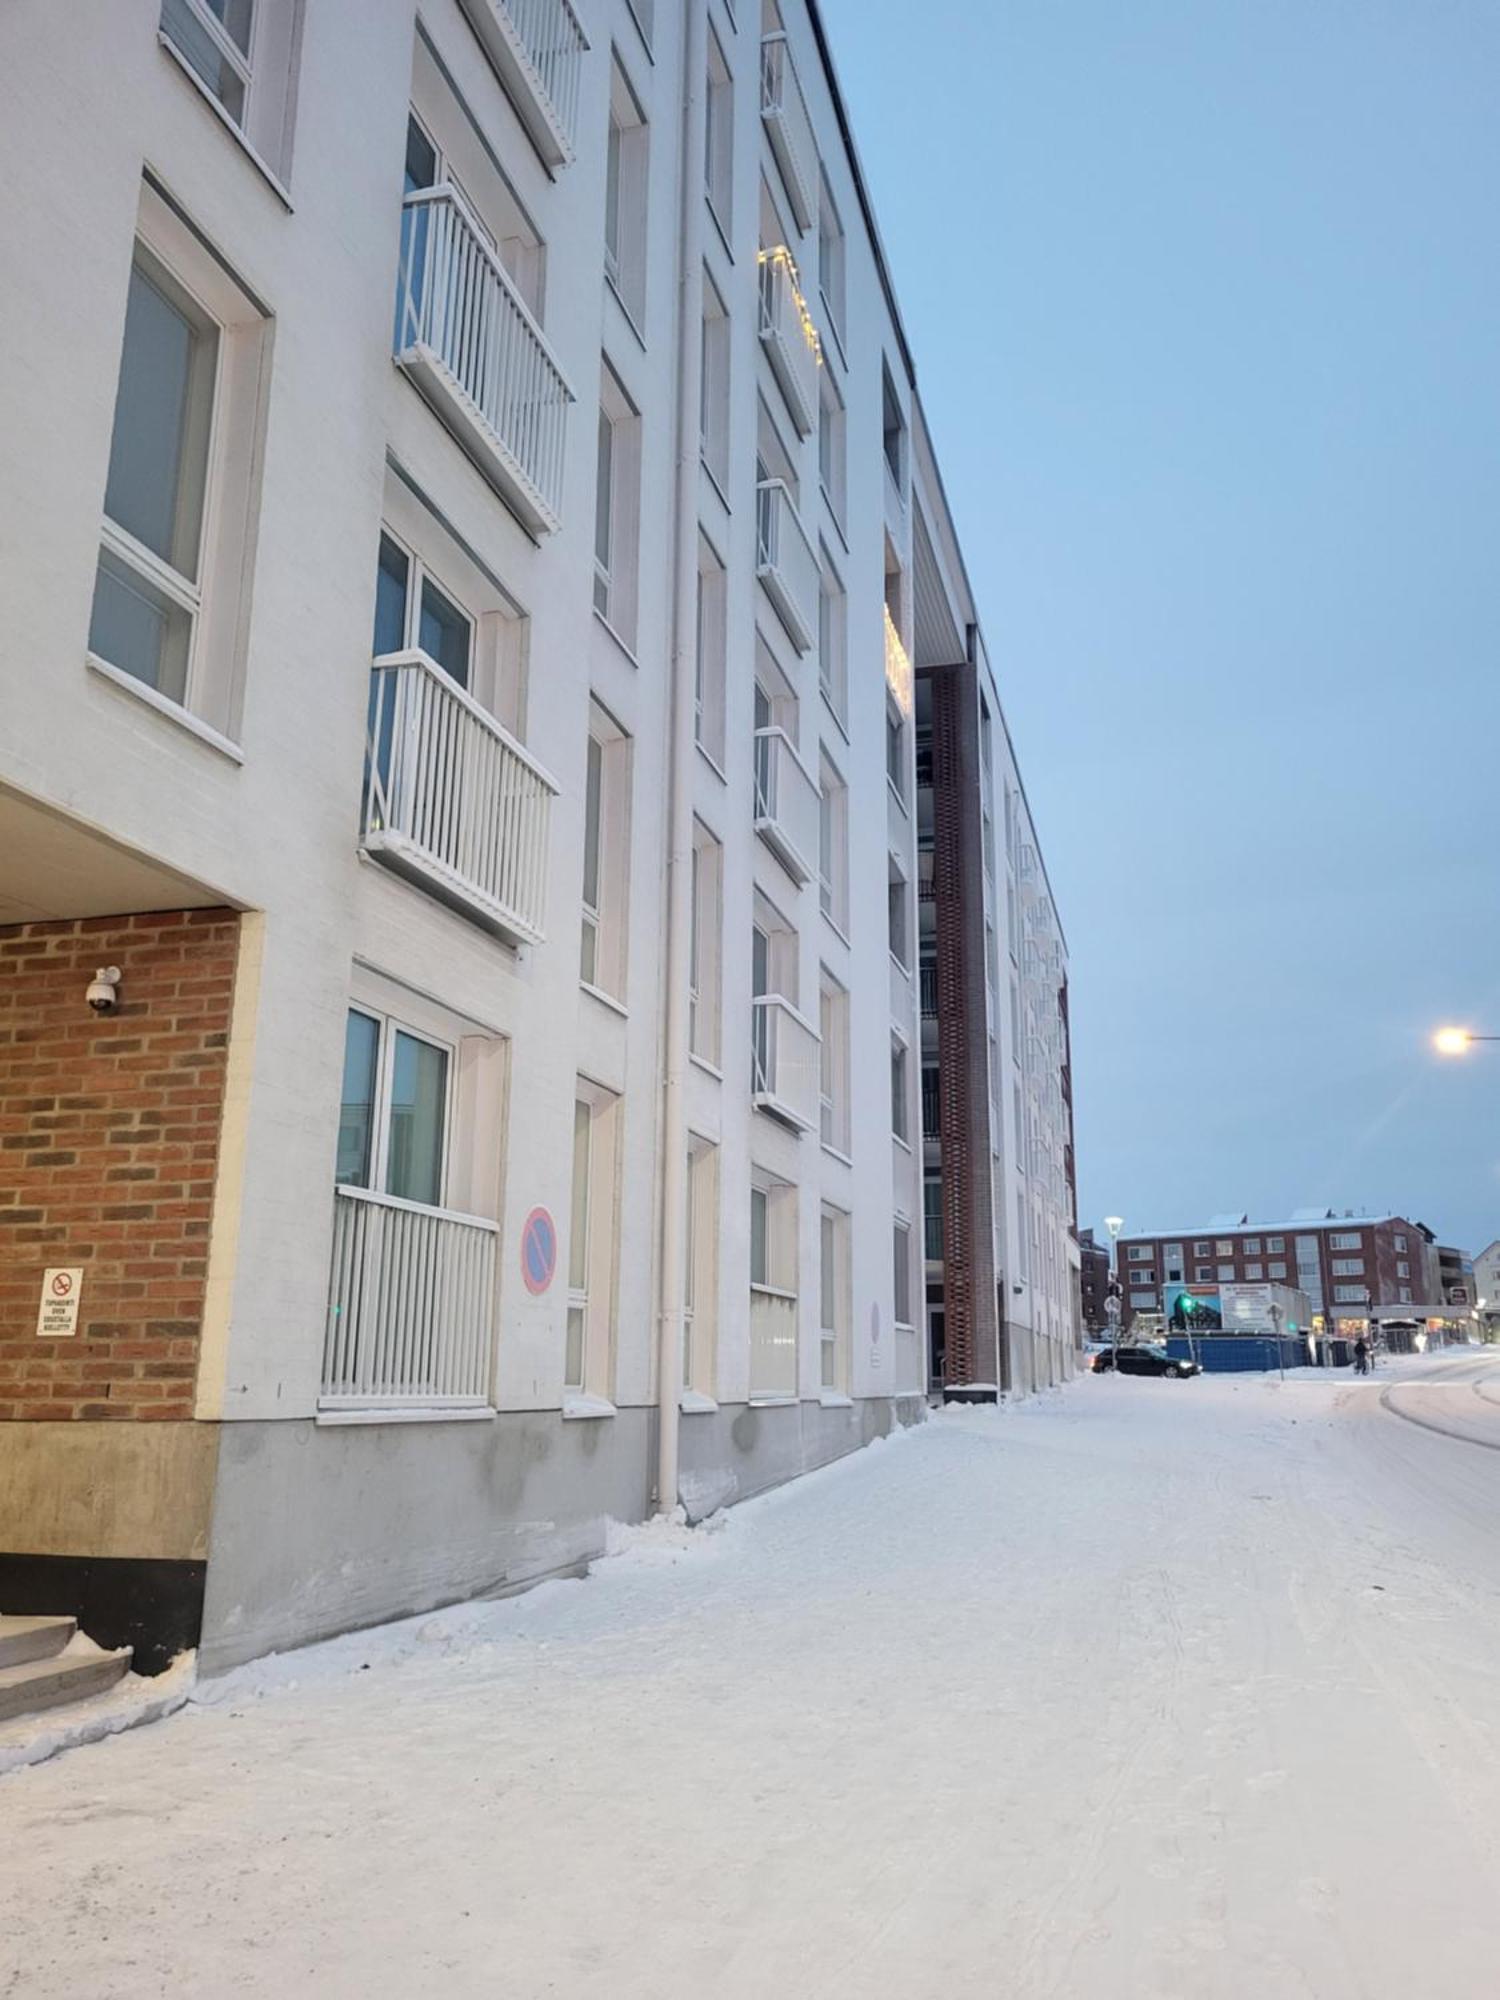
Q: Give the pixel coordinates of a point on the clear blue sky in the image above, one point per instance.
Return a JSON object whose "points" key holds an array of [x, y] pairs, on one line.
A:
{"points": [[1204, 301]]}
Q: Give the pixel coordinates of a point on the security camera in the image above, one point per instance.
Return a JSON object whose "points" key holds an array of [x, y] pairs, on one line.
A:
{"points": [[103, 994]]}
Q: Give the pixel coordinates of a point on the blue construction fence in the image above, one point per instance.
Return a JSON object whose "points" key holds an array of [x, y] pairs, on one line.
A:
{"points": [[1238, 1353]]}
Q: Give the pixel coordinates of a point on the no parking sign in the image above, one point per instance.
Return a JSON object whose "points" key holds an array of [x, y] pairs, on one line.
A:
{"points": [[538, 1251]]}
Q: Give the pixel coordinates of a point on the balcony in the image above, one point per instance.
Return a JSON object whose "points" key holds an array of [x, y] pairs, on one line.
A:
{"points": [[899, 679], [786, 564], [783, 111], [785, 1062], [536, 48], [411, 1307], [467, 340], [452, 801], [786, 803], [789, 337], [773, 1345]]}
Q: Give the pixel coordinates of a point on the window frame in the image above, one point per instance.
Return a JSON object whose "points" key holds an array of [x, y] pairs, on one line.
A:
{"points": [[388, 1026]]}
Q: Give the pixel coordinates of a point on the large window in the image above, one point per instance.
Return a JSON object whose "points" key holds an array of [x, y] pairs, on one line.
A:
{"points": [[718, 150], [705, 945], [901, 1271], [834, 1298], [713, 390], [833, 1064], [393, 1113], [833, 637], [831, 446], [900, 1115], [711, 653], [701, 1276], [830, 260], [617, 507], [625, 199], [588, 1357], [242, 53], [606, 842], [833, 846]]}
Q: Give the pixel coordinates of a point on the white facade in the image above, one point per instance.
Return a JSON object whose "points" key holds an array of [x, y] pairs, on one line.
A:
{"points": [[595, 894]]}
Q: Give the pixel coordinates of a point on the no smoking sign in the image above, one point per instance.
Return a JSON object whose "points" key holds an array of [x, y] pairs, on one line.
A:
{"points": [[57, 1316]]}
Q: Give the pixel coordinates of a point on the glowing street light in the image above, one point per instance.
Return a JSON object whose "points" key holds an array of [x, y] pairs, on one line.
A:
{"points": [[1455, 1041]]}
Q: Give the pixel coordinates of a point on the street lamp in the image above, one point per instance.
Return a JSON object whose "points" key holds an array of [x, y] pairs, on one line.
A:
{"points": [[1115, 1304], [1455, 1041]]}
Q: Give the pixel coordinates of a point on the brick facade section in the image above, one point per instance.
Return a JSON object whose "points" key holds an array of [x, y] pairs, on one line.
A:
{"points": [[109, 1139]]}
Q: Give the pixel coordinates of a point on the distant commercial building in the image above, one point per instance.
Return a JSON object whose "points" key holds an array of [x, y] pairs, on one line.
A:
{"points": [[1093, 1281], [1348, 1265], [1487, 1287], [1456, 1286]]}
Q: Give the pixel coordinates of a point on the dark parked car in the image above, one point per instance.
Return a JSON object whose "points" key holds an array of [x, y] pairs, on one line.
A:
{"points": [[1144, 1361]]}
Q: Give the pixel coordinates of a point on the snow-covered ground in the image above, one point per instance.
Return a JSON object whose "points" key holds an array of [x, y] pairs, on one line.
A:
{"points": [[1145, 1689]]}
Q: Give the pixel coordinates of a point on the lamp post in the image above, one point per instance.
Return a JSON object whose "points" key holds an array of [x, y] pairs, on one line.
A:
{"points": [[1456, 1041], [1275, 1311], [1115, 1306]]}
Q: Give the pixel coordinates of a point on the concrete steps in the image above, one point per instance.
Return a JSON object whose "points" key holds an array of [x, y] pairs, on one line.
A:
{"points": [[45, 1662]]}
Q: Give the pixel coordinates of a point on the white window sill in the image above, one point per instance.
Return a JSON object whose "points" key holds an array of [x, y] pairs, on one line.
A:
{"points": [[904, 970], [904, 1144], [476, 1414], [712, 761], [720, 486], [837, 928], [605, 999], [831, 1399], [628, 316], [614, 634], [835, 518], [270, 178], [899, 797], [713, 211], [693, 1403], [709, 1068], [174, 712], [578, 1408], [835, 1153], [773, 1402], [830, 323]]}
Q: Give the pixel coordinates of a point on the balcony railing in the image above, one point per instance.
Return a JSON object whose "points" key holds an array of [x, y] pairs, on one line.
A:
{"points": [[899, 678], [468, 341], [929, 983], [773, 1344], [785, 563], [783, 110], [411, 1306], [784, 1062], [789, 337], [452, 801], [537, 49], [786, 803]]}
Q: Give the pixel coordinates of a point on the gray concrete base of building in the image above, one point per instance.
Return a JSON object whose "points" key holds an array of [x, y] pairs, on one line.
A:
{"points": [[321, 1529]]}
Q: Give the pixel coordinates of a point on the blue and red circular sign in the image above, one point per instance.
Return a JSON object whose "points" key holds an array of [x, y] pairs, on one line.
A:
{"points": [[538, 1251]]}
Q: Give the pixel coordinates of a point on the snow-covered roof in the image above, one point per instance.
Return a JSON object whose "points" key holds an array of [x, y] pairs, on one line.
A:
{"points": [[1305, 1220]]}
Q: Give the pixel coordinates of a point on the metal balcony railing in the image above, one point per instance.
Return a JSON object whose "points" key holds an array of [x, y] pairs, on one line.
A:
{"points": [[783, 110], [773, 1344], [537, 49], [789, 337], [785, 1052], [786, 803], [411, 1306], [452, 801], [468, 341], [785, 562]]}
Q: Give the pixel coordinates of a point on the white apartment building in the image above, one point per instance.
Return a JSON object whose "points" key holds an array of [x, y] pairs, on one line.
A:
{"points": [[464, 526]]}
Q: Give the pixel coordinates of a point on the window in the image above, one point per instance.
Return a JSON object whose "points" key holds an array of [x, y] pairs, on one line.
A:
{"points": [[895, 750], [1251, 1246], [243, 54], [1200, 1249], [617, 508], [1348, 1267], [1405, 1295], [1226, 1272], [773, 1289], [413, 610], [1174, 1273], [901, 1273], [932, 1219], [606, 839], [833, 846], [1173, 1253], [833, 1064], [718, 161], [1202, 1274], [1403, 1270], [174, 545], [625, 199], [1223, 1247], [1144, 1276], [833, 645], [393, 1113], [898, 921], [1399, 1242], [831, 446], [1139, 1253], [1348, 1295], [1253, 1271], [931, 1102], [830, 260], [893, 427], [701, 1278], [1345, 1240], [835, 1285], [705, 945], [713, 393], [589, 1351], [1022, 1260], [1276, 1270], [1275, 1244], [711, 654], [900, 1125], [1147, 1300]]}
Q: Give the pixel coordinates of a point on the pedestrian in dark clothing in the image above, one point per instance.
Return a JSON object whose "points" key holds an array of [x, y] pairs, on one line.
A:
{"points": [[1361, 1356]]}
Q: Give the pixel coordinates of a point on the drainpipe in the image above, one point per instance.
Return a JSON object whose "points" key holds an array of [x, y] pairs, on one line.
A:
{"points": [[680, 734]]}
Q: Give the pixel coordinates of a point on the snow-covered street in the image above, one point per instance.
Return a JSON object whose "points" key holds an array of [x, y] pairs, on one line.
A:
{"points": [[1145, 1689]]}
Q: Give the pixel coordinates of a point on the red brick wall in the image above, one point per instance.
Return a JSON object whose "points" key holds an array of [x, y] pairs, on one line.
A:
{"points": [[109, 1135]]}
